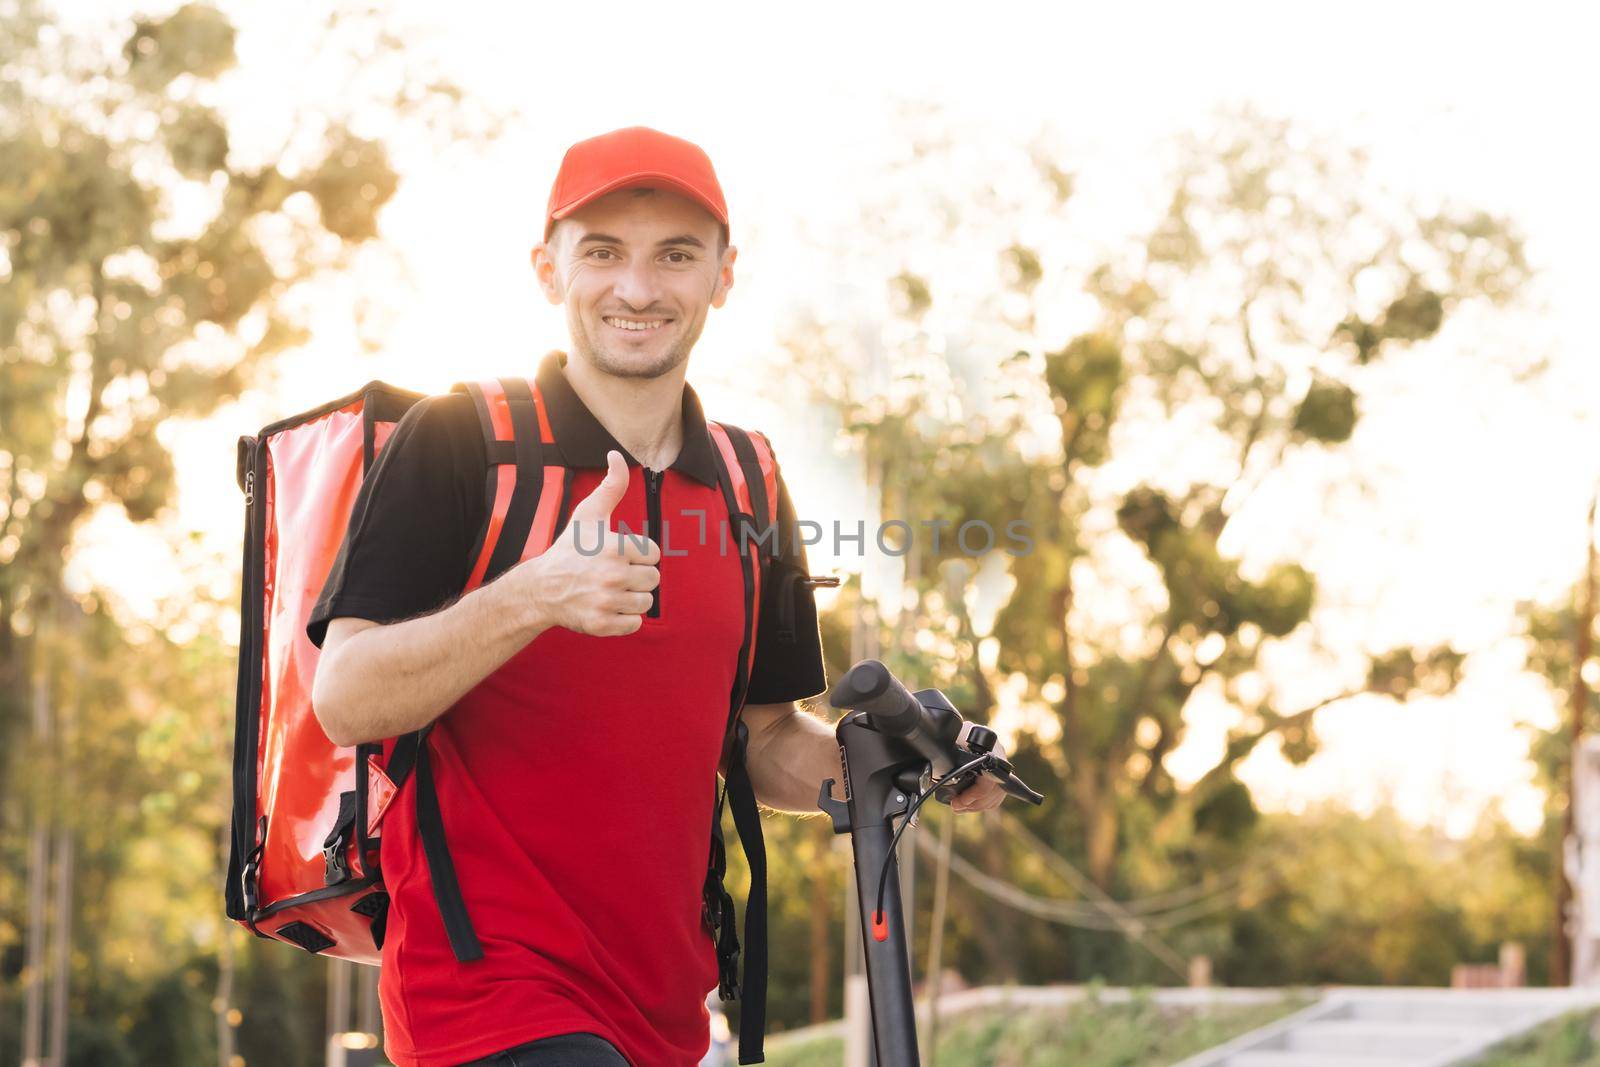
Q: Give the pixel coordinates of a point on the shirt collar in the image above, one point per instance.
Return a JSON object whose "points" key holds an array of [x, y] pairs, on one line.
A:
{"points": [[584, 442]]}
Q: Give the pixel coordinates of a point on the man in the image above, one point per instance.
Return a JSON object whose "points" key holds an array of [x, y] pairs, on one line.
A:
{"points": [[579, 701]]}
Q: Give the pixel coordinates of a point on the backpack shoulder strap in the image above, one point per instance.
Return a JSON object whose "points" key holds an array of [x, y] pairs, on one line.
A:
{"points": [[749, 479], [747, 474], [525, 486]]}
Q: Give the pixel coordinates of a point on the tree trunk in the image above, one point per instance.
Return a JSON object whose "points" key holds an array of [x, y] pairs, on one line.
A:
{"points": [[34, 940], [223, 1004], [821, 835], [61, 963], [1101, 853], [934, 981], [1561, 954], [1001, 948], [38, 877]]}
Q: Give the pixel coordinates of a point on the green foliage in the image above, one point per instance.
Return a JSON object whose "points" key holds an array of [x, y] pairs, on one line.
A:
{"points": [[100, 306], [353, 182], [1551, 633], [1275, 273], [1340, 898], [1415, 315], [119, 313], [219, 276], [1148, 516], [198, 141], [1085, 379], [95, 1043], [1327, 412], [910, 294], [281, 999], [1570, 1041], [1021, 266], [172, 1024], [817, 1052], [65, 202], [1404, 672], [1228, 813], [196, 40], [1092, 1033], [1281, 601]]}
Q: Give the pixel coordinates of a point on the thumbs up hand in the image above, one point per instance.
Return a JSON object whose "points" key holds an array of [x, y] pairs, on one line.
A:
{"points": [[602, 592], [598, 505]]}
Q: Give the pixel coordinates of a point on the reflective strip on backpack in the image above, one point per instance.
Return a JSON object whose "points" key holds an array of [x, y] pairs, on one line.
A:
{"points": [[544, 517], [505, 487]]}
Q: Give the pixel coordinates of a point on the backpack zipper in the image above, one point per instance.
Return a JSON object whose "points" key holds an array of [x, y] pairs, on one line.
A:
{"points": [[652, 529]]}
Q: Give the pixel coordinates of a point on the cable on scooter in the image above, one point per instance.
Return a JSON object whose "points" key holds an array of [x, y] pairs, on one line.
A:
{"points": [[880, 929]]}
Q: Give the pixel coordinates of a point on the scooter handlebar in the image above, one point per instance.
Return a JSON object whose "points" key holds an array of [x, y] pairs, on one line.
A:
{"points": [[868, 687], [871, 689]]}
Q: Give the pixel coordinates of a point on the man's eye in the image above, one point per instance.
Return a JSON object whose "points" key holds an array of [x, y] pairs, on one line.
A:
{"points": [[597, 251]]}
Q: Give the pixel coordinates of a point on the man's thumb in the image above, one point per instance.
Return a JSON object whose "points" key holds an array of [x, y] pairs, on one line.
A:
{"points": [[606, 495]]}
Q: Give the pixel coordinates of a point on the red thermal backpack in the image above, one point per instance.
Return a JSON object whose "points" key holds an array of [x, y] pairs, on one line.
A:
{"points": [[305, 862]]}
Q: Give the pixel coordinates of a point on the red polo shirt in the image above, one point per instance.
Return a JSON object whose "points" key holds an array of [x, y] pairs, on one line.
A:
{"points": [[576, 781]]}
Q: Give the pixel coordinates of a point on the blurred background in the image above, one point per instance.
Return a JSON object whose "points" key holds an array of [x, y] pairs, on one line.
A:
{"points": [[1272, 321]]}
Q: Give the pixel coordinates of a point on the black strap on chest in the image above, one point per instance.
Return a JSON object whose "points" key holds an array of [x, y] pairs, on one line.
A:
{"points": [[411, 753]]}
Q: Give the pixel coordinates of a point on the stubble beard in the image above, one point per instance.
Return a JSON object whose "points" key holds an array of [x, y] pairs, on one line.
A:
{"points": [[623, 364]]}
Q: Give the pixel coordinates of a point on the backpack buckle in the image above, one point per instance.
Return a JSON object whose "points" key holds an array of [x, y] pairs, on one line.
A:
{"points": [[335, 867], [250, 870], [717, 911], [728, 976], [716, 908], [247, 881]]}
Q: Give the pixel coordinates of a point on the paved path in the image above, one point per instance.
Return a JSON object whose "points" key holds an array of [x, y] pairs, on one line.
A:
{"points": [[1396, 1028]]}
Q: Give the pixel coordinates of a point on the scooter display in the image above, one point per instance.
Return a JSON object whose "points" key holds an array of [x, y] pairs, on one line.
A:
{"points": [[898, 749]]}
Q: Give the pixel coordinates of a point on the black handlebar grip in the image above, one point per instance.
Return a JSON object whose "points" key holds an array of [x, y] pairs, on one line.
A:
{"points": [[1017, 788], [869, 687]]}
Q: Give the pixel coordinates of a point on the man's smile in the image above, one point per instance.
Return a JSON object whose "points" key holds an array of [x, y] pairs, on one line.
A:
{"points": [[634, 325]]}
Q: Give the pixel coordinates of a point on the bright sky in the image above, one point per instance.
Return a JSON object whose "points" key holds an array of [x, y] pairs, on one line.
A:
{"points": [[1479, 488]]}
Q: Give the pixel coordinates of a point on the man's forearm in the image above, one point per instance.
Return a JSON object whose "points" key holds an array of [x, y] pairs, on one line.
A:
{"points": [[791, 758], [389, 680]]}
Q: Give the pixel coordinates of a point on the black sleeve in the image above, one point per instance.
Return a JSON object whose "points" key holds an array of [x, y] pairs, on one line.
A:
{"points": [[788, 664], [414, 522]]}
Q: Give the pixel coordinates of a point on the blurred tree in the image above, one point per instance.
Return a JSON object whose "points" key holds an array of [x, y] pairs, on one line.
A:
{"points": [[149, 262], [1334, 897], [1251, 313], [1561, 638]]}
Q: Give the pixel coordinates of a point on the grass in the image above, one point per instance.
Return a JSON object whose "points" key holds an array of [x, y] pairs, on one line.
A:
{"points": [[1570, 1041], [1139, 1033]]}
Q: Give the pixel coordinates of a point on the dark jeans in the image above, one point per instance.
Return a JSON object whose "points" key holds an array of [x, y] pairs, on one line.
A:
{"points": [[565, 1050]]}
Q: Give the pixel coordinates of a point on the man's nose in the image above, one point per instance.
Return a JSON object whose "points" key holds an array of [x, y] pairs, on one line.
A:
{"points": [[638, 285]]}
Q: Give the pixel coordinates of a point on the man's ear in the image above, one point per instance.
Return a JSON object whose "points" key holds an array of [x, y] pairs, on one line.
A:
{"points": [[719, 295], [544, 271]]}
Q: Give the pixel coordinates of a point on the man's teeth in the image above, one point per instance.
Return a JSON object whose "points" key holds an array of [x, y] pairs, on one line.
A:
{"points": [[633, 324]]}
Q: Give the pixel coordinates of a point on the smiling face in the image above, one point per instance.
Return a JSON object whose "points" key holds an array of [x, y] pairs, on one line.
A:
{"points": [[637, 270]]}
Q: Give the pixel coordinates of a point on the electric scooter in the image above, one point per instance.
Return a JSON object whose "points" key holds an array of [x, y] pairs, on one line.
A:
{"points": [[898, 749]]}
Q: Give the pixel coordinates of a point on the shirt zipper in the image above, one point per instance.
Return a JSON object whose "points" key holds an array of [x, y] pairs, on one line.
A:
{"points": [[652, 528]]}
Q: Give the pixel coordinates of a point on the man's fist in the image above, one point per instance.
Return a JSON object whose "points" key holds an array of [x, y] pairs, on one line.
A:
{"points": [[602, 592]]}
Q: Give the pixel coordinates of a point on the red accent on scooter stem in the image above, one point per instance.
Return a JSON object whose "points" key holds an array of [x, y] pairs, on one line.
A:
{"points": [[880, 926]]}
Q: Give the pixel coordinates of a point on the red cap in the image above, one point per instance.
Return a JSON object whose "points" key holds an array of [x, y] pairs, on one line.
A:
{"points": [[634, 155]]}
